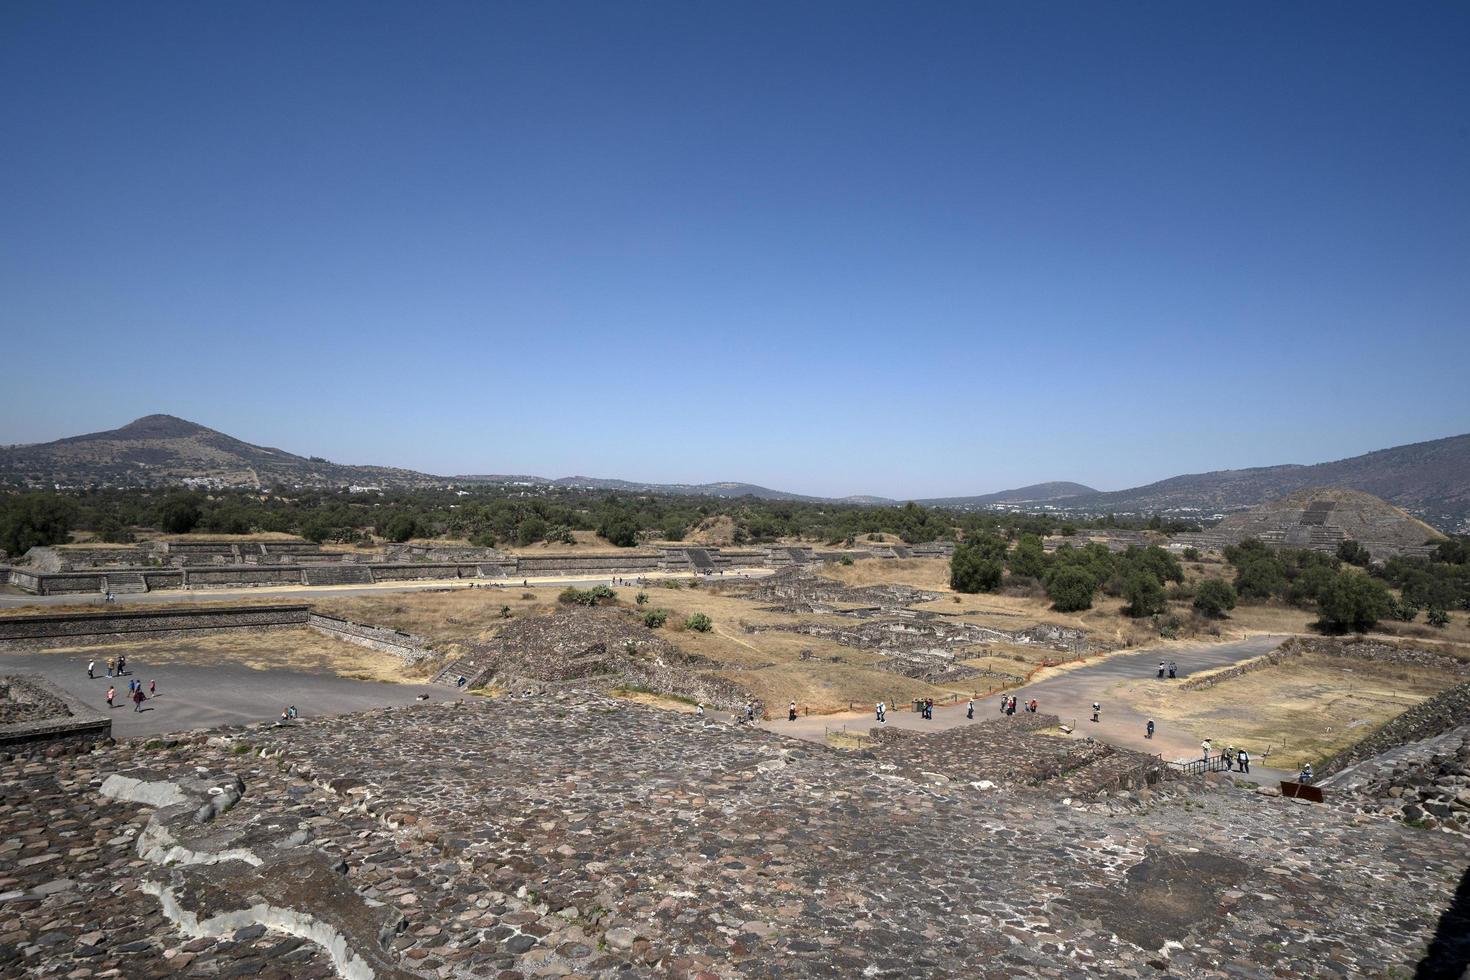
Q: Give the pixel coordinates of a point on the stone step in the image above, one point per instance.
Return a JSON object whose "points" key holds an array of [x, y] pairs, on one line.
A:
{"points": [[124, 582]]}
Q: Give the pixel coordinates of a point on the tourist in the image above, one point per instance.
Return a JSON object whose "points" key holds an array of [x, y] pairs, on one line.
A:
{"points": [[122, 663], [699, 711], [111, 693], [285, 715], [91, 669], [138, 699], [152, 688], [1205, 748], [791, 712], [878, 711], [1161, 669], [1229, 756], [1148, 731], [1243, 760], [1034, 706], [1096, 709], [110, 665], [1004, 700], [1305, 776], [291, 711], [970, 709], [460, 681], [1173, 670]]}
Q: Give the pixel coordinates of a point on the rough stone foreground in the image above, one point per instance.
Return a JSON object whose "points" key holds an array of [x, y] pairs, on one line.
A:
{"points": [[577, 836]]}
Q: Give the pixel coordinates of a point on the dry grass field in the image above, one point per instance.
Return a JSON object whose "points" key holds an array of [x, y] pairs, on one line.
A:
{"points": [[1305, 708]]}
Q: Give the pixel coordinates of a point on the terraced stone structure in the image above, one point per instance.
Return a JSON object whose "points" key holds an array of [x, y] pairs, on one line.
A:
{"points": [[1319, 520], [573, 835]]}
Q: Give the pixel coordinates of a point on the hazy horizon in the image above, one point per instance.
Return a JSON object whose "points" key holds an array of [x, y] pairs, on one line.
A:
{"points": [[833, 249]]}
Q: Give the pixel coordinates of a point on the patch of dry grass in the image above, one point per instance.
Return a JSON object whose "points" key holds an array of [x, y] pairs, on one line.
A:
{"points": [[1306, 708]]}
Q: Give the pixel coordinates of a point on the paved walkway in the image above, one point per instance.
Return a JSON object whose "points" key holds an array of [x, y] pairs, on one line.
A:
{"points": [[1069, 695], [192, 696]]}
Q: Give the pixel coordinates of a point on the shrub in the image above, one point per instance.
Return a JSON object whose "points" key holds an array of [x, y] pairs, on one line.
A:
{"points": [[1070, 590], [699, 623], [1438, 618], [586, 597], [1403, 610], [1191, 554], [641, 598], [1214, 598], [399, 528], [845, 560], [655, 618]]}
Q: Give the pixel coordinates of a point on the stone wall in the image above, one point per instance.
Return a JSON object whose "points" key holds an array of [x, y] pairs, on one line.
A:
{"points": [[410, 572], [410, 647], [27, 632], [1358, 648], [242, 576]]}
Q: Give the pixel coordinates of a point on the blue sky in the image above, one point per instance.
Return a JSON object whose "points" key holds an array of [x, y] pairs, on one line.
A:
{"points": [[906, 249]]}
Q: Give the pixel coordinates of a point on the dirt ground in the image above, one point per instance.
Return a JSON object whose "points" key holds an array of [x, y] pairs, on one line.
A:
{"points": [[1306, 708], [304, 650]]}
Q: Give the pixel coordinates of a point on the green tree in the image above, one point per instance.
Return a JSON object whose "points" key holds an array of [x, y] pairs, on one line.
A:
{"points": [[1352, 601], [1260, 577], [179, 514], [1070, 589], [1145, 595], [530, 530], [34, 520], [399, 528], [970, 570], [1353, 553], [1214, 598], [1028, 560]]}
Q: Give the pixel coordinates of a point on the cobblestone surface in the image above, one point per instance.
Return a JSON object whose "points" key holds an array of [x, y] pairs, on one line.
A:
{"points": [[573, 835]]}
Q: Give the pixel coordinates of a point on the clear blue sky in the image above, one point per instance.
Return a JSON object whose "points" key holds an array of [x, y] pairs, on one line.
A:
{"points": [[906, 249]]}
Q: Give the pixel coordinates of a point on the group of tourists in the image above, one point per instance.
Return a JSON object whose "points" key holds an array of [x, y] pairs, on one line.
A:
{"points": [[116, 667], [1172, 667], [1235, 759], [135, 693], [1008, 705], [747, 716], [926, 709]]}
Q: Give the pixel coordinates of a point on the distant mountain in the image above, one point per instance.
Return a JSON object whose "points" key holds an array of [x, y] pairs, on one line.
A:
{"points": [[1430, 480], [161, 450], [1037, 493]]}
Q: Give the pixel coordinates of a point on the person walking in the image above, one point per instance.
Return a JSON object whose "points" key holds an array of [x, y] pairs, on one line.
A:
{"points": [[1305, 776], [122, 663], [791, 711], [110, 665], [1034, 705], [152, 688], [970, 709], [1229, 756], [138, 699], [111, 693], [1173, 670], [1148, 731], [1243, 759], [91, 669], [878, 711], [1096, 710], [1205, 748], [1161, 670], [699, 711]]}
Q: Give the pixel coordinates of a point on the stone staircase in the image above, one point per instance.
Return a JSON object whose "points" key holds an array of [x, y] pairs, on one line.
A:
{"points": [[124, 582], [476, 670], [341, 574]]}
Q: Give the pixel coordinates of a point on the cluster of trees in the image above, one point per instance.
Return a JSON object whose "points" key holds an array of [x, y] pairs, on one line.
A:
{"points": [[1072, 576], [1345, 597], [488, 516]]}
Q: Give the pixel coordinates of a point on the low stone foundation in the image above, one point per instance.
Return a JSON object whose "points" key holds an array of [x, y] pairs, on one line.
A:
{"points": [[38, 717]]}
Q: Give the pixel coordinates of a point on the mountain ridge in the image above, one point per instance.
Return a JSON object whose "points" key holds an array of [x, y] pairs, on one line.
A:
{"points": [[1430, 479]]}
